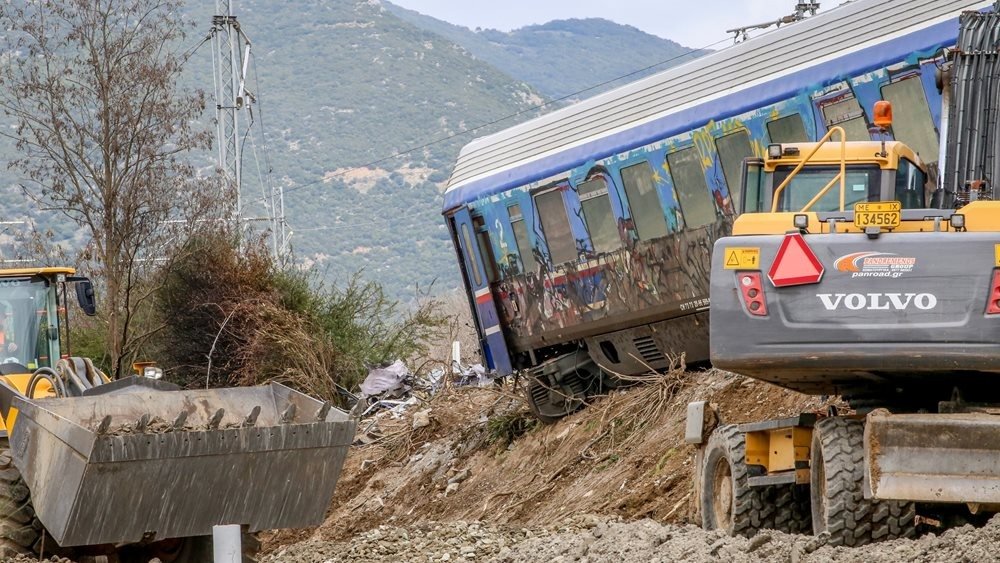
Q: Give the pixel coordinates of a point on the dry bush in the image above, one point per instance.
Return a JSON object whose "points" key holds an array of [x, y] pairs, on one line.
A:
{"points": [[233, 317], [622, 418]]}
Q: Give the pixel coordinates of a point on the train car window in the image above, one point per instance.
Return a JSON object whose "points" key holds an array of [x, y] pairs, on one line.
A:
{"points": [[912, 123], [732, 149], [526, 256], [471, 255], [789, 129], [598, 216], [643, 201], [847, 113], [692, 189], [910, 182], [485, 248], [555, 226]]}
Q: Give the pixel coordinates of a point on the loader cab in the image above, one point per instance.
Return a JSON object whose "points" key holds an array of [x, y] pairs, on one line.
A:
{"points": [[33, 316], [872, 172]]}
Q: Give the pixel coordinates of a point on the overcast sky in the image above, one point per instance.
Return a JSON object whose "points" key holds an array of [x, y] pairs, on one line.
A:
{"points": [[692, 23]]}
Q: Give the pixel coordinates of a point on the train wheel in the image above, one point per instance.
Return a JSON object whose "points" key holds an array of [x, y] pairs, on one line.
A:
{"points": [[549, 402], [727, 500]]}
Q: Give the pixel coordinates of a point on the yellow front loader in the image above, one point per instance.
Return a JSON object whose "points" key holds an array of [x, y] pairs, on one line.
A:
{"points": [[137, 466]]}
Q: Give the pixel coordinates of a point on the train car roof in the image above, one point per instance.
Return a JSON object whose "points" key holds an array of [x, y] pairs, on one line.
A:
{"points": [[763, 70]]}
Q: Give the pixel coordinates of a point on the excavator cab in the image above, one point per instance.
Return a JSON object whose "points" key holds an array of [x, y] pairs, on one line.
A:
{"points": [[873, 172]]}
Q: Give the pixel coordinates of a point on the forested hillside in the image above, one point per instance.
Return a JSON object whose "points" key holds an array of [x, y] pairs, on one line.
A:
{"points": [[345, 85]]}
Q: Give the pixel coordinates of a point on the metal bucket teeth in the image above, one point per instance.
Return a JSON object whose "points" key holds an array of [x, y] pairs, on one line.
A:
{"points": [[110, 468]]}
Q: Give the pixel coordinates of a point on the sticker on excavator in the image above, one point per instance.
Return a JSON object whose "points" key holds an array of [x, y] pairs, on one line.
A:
{"points": [[742, 258], [877, 214]]}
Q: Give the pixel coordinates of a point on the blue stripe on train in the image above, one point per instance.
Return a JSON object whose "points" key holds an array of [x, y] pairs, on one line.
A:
{"points": [[926, 40]]}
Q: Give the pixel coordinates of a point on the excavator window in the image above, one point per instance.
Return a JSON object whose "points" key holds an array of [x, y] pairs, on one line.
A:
{"points": [[863, 184], [910, 186]]}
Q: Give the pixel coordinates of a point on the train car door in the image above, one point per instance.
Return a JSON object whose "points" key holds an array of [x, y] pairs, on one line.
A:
{"points": [[477, 282]]}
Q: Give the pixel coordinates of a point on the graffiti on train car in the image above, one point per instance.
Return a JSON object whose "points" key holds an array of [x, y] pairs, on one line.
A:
{"points": [[663, 274], [539, 296]]}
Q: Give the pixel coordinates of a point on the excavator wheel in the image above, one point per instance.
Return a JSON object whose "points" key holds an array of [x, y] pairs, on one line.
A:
{"points": [[839, 506], [792, 509], [727, 500]]}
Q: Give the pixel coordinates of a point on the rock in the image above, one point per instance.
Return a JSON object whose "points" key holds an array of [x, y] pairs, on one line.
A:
{"points": [[757, 541], [816, 542], [459, 477], [797, 554], [451, 488], [714, 549], [421, 419], [365, 464]]}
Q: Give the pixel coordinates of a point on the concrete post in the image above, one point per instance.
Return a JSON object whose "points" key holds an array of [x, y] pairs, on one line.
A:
{"points": [[226, 546]]}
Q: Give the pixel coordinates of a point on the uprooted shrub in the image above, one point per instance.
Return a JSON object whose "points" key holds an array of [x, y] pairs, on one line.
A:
{"points": [[233, 317]]}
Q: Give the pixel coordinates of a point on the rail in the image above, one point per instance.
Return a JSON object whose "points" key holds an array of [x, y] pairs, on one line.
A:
{"points": [[842, 175]]}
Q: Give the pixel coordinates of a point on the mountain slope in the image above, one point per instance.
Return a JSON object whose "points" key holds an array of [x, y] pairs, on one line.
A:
{"points": [[562, 57], [344, 87], [345, 83]]}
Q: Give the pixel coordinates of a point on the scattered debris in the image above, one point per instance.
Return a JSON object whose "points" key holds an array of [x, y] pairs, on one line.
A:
{"points": [[422, 419]]}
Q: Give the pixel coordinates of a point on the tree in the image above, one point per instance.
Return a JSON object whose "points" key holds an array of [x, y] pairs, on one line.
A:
{"points": [[103, 131]]}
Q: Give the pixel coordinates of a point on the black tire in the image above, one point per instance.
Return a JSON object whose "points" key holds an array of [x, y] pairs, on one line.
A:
{"points": [[894, 519], [19, 529], [838, 503], [792, 509], [727, 501]]}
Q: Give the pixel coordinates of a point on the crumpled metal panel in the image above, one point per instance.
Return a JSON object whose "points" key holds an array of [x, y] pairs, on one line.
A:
{"points": [[119, 485], [950, 458]]}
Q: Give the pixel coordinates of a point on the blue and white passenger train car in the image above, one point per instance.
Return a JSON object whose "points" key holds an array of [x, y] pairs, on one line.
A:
{"points": [[584, 235]]}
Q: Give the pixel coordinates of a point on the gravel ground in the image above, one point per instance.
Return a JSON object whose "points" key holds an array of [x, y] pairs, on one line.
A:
{"points": [[592, 539]]}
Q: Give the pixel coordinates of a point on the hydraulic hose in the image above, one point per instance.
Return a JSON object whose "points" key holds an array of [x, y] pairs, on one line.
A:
{"points": [[49, 375]]}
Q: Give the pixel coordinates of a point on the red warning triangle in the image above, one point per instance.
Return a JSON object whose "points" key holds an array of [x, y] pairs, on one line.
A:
{"points": [[795, 263]]}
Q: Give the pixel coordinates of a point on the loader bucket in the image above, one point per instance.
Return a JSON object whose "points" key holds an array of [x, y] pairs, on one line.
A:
{"points": [[149, 473]]}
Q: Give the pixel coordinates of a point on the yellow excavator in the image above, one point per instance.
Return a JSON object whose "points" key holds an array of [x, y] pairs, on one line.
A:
{"points": [[137, 468]]}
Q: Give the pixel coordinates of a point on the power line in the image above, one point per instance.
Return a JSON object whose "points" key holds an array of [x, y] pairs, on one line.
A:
{"points": [[190, 52], [328, 177]]}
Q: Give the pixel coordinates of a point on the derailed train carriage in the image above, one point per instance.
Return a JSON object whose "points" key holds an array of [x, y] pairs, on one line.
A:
{"points": [[584, 236]]}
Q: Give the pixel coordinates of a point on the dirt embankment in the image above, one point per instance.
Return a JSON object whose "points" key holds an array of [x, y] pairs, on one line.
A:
{"points": [[624, 457], [611, 483]]}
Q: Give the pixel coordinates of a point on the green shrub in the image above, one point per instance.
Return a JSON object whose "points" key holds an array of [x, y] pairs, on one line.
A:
{"points": [[235, 318]]}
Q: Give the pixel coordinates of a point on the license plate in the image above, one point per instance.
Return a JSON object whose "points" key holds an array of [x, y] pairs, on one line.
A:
{"points": [[877, 214]]}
